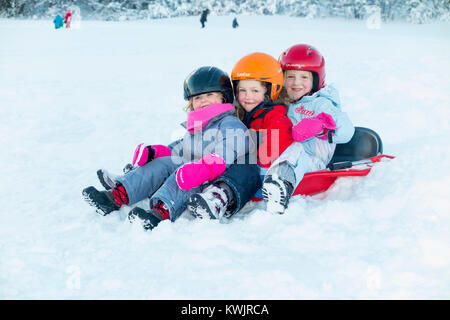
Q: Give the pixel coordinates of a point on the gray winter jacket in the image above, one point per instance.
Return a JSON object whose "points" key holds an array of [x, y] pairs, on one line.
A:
{"points": [[224, 134]]}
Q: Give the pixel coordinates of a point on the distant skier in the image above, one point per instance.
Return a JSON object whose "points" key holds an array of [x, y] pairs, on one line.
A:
{"points": [[68, 18], [235, 23], [58, 21], [204, 17]]}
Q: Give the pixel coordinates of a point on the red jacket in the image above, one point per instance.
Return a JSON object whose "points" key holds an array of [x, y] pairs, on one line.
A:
{"points": [[274, 131], [68, 17]]}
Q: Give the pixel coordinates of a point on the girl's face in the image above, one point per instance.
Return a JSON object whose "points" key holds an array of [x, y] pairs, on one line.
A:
{"points": [[250, 93], [206, 99], [298, 83]]}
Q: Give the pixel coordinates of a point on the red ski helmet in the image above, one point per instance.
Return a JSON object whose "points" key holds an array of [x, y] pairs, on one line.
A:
{"points": [[307, 58]]}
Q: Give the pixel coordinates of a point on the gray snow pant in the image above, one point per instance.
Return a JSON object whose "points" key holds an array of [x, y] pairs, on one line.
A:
{"points": [[157, 180]]}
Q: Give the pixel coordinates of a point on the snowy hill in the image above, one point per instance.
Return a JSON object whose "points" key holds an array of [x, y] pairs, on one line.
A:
{"points": [[73, 101]]}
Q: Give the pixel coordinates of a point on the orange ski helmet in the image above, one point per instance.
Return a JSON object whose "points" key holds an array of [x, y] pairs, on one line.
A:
{"points": [[307, 58], [261, 67]]}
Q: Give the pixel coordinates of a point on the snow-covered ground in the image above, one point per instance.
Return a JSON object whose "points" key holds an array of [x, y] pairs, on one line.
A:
{"points": [[73, 101]]}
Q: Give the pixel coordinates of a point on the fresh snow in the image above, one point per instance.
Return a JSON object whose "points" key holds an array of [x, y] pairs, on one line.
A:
{"points": [[74, 101]]}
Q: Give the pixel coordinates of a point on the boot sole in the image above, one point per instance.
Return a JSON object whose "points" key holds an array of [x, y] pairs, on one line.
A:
{"points": [[148, 223], [199, 207], [102, 210], [101, 178], [272, 205]]}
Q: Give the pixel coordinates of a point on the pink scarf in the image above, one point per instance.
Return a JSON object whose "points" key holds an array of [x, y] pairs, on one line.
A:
{"points": [[198, 119]]}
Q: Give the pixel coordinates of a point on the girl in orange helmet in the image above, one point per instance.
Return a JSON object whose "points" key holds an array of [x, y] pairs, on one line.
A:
{"points": [[257, 82]]}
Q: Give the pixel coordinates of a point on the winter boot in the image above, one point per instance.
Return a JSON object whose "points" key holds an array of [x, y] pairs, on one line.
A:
{"points": [[103, 201], [108, 201], [149, 219], [161, 211], [211, 203], [146, 218], [276, 193], [106, 179]]}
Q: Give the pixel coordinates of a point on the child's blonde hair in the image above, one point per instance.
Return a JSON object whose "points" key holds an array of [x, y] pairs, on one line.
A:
{"points": [[283, 98], [240, 112]]}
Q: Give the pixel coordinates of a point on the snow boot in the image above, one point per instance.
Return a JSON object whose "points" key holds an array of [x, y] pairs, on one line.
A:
{"points": [[106, 179], [108, 201], [103, 201], [146, 218], [211, 203], [149, 219], [276, 193]]}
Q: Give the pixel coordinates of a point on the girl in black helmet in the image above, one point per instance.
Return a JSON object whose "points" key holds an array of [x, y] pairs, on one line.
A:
{"points": [[169, 175]]}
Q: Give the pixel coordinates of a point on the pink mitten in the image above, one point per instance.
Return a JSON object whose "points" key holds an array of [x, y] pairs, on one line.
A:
{"points": [[144, 154], [316, 126], [161, 151], [194, 174], [328, 124]]}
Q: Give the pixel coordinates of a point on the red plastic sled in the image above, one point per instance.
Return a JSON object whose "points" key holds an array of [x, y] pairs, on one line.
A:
{"points": [[362, 151], [319, 181]]}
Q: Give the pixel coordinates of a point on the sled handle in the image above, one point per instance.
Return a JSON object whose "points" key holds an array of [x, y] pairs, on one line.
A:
{"points": [[349, 164], [340, 165]]}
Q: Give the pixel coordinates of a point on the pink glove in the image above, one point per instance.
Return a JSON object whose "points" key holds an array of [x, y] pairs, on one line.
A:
{"points": [[144, 154], [194, 174], [313, 127]]}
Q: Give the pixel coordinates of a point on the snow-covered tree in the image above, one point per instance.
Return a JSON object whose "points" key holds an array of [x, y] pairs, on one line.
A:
{"points": [[416, 11]]}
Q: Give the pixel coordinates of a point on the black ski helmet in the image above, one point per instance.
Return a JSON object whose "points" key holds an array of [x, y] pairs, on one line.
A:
{"points": [[208, 79]]}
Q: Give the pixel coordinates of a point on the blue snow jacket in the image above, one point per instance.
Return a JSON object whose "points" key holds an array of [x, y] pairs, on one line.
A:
{"points": [[314, 154], [325, 100], [58, 21]]}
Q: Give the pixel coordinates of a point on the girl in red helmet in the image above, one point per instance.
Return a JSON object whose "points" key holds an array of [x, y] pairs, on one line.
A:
{"points": [[315, 111], [257, 81]]}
